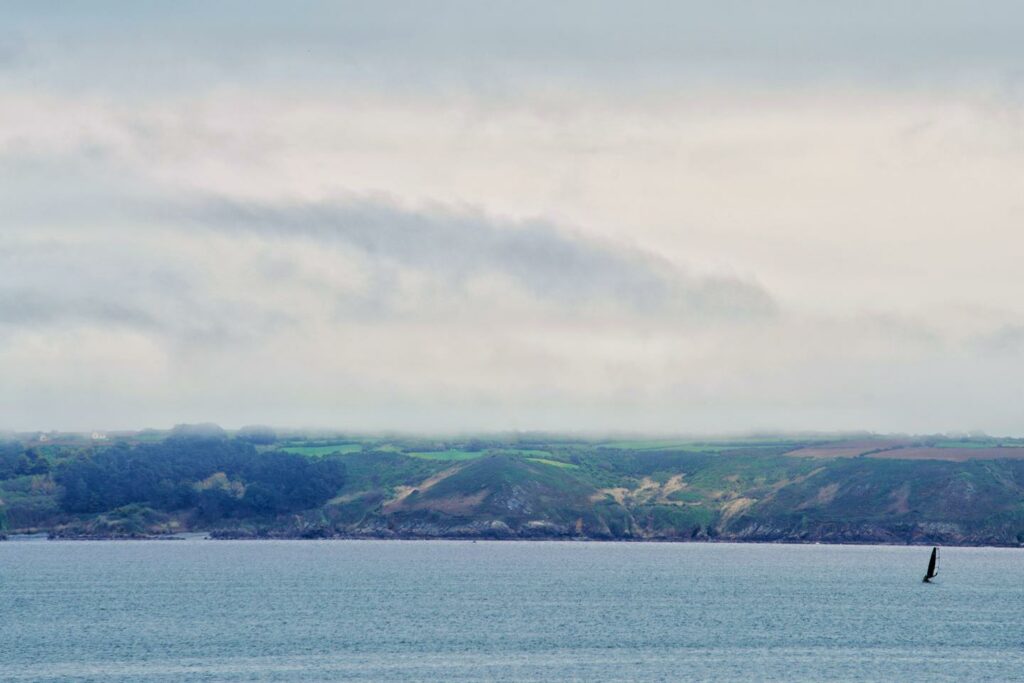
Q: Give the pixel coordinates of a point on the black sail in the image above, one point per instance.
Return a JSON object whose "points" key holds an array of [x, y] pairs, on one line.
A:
{"points": [[931, 565]]}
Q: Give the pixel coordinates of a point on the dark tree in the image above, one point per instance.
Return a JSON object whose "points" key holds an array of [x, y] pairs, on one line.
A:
{"points": [[219, 477]]}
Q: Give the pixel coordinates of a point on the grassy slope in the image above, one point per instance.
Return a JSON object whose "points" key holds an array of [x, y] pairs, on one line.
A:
{"points": [[743, 489]]}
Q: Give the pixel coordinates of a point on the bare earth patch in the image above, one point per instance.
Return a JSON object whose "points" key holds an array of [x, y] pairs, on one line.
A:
{"points": [[619, 494], [826, 494], [783, 483], [900, 500], [735, 507], [648, 491], [403, 492], [951, 454], [675, 483], [450, 505], [349, 497]]}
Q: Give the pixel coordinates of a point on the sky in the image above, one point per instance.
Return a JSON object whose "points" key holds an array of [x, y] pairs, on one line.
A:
{"points": [[661, 217]]}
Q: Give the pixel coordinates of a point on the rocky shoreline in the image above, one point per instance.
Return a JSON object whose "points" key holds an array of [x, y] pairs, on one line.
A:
{"points": [[499, 531]]}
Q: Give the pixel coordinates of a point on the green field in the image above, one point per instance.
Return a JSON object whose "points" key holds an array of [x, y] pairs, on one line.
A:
{"points": [[693, 446], [658, 444], [450, 454], [978, 444], [318, 451], [458, 454], [520, 485]]}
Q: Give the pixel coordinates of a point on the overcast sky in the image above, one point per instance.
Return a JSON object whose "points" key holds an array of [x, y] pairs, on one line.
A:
{"points": [[436, 216]]}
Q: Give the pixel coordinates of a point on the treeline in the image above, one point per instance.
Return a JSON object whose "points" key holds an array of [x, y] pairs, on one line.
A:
{"points": [[218, 477], [18, 461]]}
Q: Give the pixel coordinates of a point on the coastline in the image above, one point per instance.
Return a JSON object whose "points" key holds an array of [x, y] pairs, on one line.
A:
{"points": [[216, 535]]}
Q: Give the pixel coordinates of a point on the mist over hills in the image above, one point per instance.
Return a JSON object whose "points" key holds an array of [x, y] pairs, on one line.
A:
{"points": [[257, 483]]}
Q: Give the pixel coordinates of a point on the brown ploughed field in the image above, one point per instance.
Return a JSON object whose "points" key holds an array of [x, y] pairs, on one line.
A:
{"points": [[846, 449], [905, 450], [953, 454]]}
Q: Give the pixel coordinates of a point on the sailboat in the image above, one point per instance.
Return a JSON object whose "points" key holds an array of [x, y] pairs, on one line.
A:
{"points": [[933, 566]]}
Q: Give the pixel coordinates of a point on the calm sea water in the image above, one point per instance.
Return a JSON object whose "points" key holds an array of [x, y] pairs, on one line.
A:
{"points": [[451, 611]]}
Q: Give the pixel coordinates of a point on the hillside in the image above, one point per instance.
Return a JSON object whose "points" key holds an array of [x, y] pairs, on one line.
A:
{"points": [[256, 483]]}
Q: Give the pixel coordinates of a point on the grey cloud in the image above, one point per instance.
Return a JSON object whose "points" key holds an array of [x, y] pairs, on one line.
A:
{"points": [[417, 43], [21, 307], [1007, 340], [119, 286], [549, 263]]}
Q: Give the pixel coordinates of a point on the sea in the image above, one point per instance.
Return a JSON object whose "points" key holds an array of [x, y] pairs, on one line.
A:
{"points": [[203, 610]]}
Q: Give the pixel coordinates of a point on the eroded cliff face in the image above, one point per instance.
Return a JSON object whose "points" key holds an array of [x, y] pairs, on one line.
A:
{"points": [[743, 530]]}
